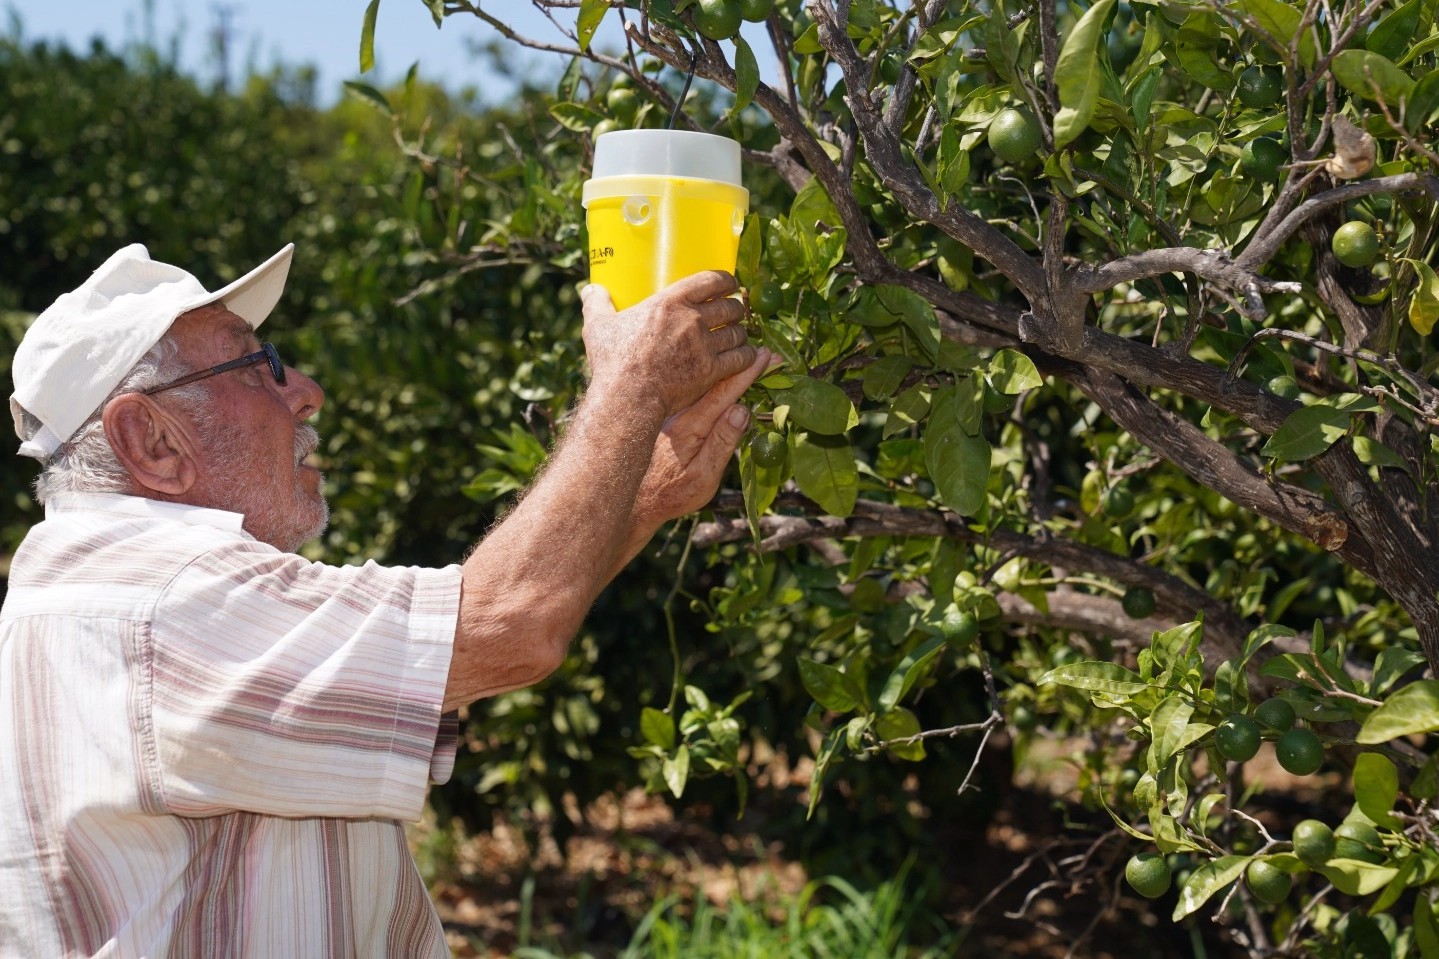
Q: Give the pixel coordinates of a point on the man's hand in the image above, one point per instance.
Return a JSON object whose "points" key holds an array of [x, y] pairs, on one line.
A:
{"points": [[673, 346], [694, 448]]}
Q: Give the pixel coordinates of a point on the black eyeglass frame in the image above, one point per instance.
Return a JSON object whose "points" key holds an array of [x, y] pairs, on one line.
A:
{"points": [[267, 354]]}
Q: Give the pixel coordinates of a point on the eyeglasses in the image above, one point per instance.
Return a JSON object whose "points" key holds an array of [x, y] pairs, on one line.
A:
{"points": [[267, 354]]}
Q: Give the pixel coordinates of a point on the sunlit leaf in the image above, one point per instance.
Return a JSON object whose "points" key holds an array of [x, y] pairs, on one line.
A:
{"points": [[1205, 881], [592, 12], [825, 471], [1414, 709], [1078, 73]]}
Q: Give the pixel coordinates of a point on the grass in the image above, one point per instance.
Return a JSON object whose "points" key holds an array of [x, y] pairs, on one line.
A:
{"points": [[828, 918]]}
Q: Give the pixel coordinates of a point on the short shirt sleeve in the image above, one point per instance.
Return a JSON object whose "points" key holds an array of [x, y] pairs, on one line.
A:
{"points": [[289, 688]]}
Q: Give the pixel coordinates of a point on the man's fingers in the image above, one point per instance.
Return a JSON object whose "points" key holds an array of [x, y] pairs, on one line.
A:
{"points": [[735, 361], [702, 415], [728, 337]]}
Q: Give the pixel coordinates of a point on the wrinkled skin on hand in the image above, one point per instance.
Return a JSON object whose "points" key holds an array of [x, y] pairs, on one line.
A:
{"points": [[678, 343]]}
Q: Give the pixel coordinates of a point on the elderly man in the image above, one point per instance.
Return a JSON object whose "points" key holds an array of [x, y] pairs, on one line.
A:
{"points": [[207, 742]]}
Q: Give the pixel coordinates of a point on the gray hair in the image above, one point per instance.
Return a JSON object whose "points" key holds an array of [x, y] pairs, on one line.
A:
{"points": [[85, 463]]}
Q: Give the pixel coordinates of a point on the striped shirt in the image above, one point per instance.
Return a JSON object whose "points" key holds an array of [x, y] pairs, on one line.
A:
{"points": [[208, 746]]}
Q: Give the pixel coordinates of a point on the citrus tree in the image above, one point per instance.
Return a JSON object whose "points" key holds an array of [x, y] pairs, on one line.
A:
{"points": [[1106, 398]]}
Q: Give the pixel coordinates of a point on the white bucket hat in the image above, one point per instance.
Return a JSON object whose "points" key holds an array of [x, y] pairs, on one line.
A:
{"points": [[76, 352]]}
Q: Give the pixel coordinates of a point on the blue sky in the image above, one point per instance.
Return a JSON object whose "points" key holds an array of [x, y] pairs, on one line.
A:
{"points": [[323, 33]]}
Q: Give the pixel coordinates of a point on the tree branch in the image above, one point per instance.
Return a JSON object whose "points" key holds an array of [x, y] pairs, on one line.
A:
{"points": [[1262, 248]]}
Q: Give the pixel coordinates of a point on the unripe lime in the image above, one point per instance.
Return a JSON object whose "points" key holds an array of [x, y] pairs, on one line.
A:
{"points": [[1137, 602], [1275, 714], [1260, 86], [1237, 738], [1313, 842], [1358, 840], [1117, 501], [717, 19], [767, 449], [1262, 157], [1300, 752], [1283, 386], [1355, 244], [623, 102], [1148, 874], [1023, 719], [958, 626], [1014, 135], [1268, 882], [766, 298], [756, 10]]}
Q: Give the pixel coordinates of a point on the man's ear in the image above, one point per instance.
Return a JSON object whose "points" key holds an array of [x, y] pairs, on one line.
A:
{"points": [[153, 445]]}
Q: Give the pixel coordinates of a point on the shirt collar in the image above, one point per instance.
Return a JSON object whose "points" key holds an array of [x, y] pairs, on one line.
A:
{"points": [[139, 506]]}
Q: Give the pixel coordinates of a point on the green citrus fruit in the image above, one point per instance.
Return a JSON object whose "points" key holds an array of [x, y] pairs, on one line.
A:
{"points": [[766, 298], [1358, 840], [767, 449], [1137, 602], [1148, 874], [623, 103], [1313, 842], [1237, 738], [1260, 86], [1284, 386], [1014, 135], [1300, 752], [1275, 714], [603, 127], [1023, 719], [1355, 243], [1262, 157], [890, 68], [756, 10], [959, 626], [1117, 501], [1269, 883], [717, 19]]}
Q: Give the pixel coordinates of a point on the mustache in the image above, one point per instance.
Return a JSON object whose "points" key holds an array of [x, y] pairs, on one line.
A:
{"points": [[307, 440]]}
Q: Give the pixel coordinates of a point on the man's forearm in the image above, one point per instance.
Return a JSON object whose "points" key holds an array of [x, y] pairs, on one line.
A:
{"points": [[530, 581]]}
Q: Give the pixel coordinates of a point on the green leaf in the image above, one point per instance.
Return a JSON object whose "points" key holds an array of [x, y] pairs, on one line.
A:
{"points": [[958, 463], [884, 376], [1206, 881], [677, 771], [1392, 662], [1392, 35], [1355, 878], [592, 12], [909, 671], [901, 724], [367, 37], [1281, 21], [1012, 372], [575, 117], [834, 690], [1376, 786], [1097, 677], [819, 406], [1426, 929], [746, 70], [748, 259], [825, 470], [908, 409], [1423, 102], [915, 312], [1078, 74], [367, 92], [1231, 687], [1166, 725], [1371, 452], [1362, 71], [1307, 432], [1424, 306], [657, 727], [1414, 709], [759, 485]]}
